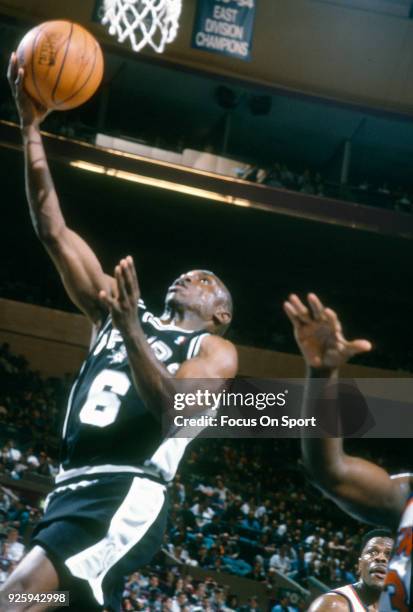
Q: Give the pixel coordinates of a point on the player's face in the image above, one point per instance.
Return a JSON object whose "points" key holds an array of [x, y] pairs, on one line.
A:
{"points": [[198, 288], [374, 560]]}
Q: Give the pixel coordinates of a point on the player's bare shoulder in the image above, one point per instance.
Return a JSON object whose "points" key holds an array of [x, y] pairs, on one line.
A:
{"points": [[213, 343], [333, 602], [403, 485], [223, 351]]}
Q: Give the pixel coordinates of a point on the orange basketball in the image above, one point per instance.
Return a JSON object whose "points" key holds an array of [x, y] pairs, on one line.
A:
{"points": [[63, 64]]}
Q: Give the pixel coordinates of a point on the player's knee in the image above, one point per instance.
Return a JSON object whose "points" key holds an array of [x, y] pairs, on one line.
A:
{"points": [[34, 574], [13, 591], [21, 579], [10, 593]]}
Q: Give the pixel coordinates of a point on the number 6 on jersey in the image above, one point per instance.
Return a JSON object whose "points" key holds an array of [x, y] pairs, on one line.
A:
{"points": [[103, 401]]}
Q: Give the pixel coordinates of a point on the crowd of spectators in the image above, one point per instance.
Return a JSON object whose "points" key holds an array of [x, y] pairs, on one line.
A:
{"points": [[17, 518], [168, 590], [29, 417], [250, 526], [279, 175], [313, 183]]}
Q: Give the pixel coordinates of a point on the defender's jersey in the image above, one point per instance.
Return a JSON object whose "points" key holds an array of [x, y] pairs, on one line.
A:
{"points": [[396, 596], [107, 426], [350, 594]]}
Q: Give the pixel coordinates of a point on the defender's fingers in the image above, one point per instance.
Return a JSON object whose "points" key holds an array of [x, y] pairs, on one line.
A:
{"points": [[301, 309], [291, 313], [359, 346], [333, 319], [316, 306]]}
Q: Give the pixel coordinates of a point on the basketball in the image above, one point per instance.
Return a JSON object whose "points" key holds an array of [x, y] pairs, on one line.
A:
{"points": [[63, 64]]}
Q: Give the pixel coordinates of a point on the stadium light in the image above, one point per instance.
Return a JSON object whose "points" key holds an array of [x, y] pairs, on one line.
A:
{"points": [[160, 183]]}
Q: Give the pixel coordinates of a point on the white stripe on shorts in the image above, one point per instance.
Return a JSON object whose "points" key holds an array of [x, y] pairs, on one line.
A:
{"points": [[103, 470], [72, 487], [136, 514]]}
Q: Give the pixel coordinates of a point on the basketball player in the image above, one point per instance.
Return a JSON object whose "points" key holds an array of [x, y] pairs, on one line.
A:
{"points": [[106, 516], [364, 595], [363, 489]]}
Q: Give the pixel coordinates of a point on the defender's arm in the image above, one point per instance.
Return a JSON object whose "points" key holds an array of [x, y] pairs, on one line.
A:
{"points": [[360, 487]]}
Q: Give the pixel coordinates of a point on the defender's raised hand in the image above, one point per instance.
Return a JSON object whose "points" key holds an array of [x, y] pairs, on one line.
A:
{"points": [[122, 303], [318, 333], [30, 111]]}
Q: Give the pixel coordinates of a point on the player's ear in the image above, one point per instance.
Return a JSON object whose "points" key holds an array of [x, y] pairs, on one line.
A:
{"points": [[222, 317]]}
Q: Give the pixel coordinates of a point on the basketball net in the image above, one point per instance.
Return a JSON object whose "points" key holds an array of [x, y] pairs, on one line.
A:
{"points": [[143, 22]]}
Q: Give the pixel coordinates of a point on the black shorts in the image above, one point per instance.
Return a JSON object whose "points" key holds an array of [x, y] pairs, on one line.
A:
{"points": [[98, 530]]}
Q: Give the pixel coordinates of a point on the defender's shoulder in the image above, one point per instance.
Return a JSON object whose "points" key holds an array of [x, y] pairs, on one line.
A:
{"points": [[330, 601], [404, 484]]}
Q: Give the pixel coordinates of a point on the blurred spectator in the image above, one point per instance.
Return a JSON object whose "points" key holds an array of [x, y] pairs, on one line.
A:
{"points": [[250, 522], [383, 189], [282, 561], [252, 605], [13, 550], [280, 176], [283, 605], [404, 204], [203, 513]]}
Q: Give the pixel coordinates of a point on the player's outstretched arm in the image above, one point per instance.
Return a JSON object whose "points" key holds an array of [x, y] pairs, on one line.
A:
{"points": [[78, 266], [360, 487], [217, 358]]}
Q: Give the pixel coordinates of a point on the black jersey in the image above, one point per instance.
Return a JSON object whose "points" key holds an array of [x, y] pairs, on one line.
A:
{"points": [[398, 585], [107, 426]]}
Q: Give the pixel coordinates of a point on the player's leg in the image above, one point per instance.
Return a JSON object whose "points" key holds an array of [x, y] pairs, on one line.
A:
{"points": [[88, 531], [38, 574], [139, 555], [34, 574]]}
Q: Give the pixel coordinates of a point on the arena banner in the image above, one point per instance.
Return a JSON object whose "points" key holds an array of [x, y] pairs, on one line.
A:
{"points": [[225, 27]]}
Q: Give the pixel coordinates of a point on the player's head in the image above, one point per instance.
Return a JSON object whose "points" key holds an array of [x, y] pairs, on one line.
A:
{"points": [[203, 293], [376, 549]]}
